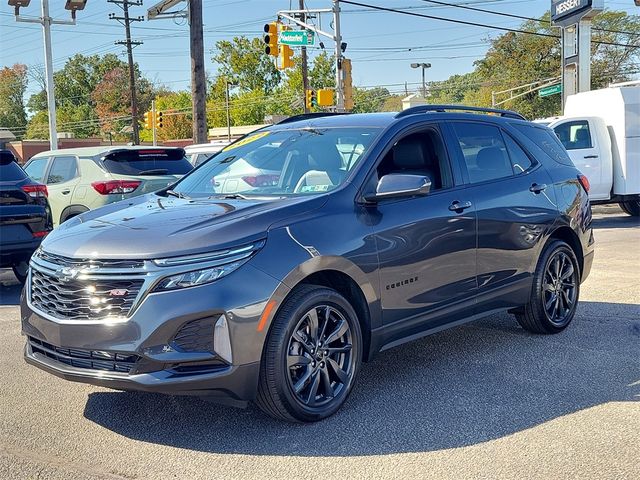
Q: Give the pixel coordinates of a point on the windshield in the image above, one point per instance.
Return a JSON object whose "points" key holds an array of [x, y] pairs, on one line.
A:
{"points": [[285, 162], [170, 161]]}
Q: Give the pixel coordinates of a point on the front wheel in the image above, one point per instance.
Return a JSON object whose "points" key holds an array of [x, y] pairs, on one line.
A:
{"points": [[555, 291], [631, 207], [311, 356]]}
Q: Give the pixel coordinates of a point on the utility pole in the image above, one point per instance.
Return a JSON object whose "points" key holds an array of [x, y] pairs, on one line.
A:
{"points": [[305, 67], [198, 84], [154, 126], [338, 38], [126, 20], [46, 21]]}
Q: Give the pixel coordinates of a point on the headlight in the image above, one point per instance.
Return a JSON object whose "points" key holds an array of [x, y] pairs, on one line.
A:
{"points": [[204, 268], [197, 277]]}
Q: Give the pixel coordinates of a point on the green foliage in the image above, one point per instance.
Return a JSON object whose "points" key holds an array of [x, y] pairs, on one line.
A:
{"points": [[13, 84]]}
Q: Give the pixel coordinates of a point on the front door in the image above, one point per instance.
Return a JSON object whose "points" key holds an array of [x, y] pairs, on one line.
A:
{"points": [[426, 246]]}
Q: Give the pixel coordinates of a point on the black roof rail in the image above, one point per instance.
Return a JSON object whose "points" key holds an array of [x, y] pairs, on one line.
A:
{"points": [[444, 108], [307, 116]]}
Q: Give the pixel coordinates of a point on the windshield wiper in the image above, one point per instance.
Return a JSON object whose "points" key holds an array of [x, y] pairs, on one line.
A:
{"points": [[154, 171], [173, 193], [235, 196]]}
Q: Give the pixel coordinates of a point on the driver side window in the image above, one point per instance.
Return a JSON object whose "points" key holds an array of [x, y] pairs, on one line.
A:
{"points": [[419, 153]]}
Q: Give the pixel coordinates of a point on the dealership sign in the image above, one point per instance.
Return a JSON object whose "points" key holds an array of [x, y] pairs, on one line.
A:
{"points": [[565, 11]]}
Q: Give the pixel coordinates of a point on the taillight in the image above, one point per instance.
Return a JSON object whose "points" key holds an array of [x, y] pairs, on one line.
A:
{"points": [[584, 181], [41, 234], [36, 191], [262, 180], [115, 186]]}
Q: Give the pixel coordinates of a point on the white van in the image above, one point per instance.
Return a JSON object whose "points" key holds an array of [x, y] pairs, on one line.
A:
{"points": [[200, 152]]}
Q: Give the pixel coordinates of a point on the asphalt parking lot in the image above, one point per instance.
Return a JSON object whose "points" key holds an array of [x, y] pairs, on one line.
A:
{"points": [[486, 400]]}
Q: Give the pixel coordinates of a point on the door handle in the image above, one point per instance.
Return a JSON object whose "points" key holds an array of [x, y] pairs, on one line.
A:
{"points": [[459, 207], [590, 156], [537, 187], [65, 192]]}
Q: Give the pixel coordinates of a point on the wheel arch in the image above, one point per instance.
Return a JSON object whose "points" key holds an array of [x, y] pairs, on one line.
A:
{"points": [[567, 235], [72, 211]]}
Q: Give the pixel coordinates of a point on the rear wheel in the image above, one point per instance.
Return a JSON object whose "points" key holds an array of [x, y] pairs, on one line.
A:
{"points": [[555, 291], [21, 270], [631, 207], [311, 356]]}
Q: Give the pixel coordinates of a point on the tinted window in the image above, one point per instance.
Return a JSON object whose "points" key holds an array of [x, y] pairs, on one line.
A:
{"points": [[10, 171], [574, 135], [484, 151], [546, 141], [148, 162], [35, 169], [520, 161], [420, 153], [62, 170]]}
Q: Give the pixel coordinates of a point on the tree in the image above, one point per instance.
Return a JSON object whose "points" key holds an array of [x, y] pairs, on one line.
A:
{"points": [[177, 117], [13, 84], [243, 62], [369, 100]]}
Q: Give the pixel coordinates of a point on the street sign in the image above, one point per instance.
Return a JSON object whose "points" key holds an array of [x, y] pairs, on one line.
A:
{"points": [[548, 91], [568, 12], [296, 38]]}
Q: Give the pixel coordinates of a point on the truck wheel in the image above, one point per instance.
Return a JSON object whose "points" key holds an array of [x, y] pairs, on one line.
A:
{"points": [[631, 207], [555, 291], [311, 356]]}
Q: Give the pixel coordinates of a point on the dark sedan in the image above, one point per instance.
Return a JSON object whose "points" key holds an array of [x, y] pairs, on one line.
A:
{"points": [[25, 216]]}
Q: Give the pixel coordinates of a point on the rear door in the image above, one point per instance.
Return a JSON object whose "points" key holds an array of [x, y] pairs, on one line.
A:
{"points": [[515, 206], [62, 179]]}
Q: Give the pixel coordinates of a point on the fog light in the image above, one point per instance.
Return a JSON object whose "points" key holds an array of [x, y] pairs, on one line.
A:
{"points": [[222, 340]]}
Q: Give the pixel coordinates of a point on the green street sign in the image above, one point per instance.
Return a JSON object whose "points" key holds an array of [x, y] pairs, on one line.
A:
{"points": [[548, 91], [296, 38]]}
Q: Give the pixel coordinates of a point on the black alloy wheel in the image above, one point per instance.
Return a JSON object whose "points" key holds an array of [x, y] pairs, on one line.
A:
{"points": [[559, 288], [311, 356], [320, 356], [555, 291]]}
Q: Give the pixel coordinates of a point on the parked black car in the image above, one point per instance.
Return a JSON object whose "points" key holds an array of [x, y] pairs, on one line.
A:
{"points": [[368, 231], [25, 216]]}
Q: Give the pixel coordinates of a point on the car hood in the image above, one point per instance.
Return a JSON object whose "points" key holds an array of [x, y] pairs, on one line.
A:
{"points": [[153, 226]]}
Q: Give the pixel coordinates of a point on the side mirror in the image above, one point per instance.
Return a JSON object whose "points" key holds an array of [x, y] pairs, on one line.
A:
{"points": [[400, 185]]}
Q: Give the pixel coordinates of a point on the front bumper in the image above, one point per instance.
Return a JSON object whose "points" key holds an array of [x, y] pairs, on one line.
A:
{"points": [[150, 335]]}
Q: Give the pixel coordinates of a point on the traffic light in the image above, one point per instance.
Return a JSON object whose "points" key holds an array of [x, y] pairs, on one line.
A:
{"points": [[311, 99], [271, 39], [286, 54], [148, 120], [159, 120], [347, 84], [325, 97]]}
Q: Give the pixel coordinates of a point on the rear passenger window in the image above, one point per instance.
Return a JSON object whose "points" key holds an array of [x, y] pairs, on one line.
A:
{"points": [[62, 170], [520, 161], [484, 151], [574, 135], [36, 168], [545, 139]]}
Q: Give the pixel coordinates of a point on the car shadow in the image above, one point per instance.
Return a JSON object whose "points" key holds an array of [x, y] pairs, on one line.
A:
{"points": [[10, 288], [460, 387], [621, 220]]}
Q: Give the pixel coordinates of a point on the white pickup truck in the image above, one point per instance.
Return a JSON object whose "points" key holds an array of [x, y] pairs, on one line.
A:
{"points": [[601, 131]]}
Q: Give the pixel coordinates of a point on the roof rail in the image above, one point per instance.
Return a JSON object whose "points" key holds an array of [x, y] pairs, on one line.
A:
{"points": [[444, 108], [307, 116]]}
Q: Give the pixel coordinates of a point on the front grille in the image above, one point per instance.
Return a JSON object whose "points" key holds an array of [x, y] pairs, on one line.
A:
{"points": [[196, 336], [72, 299], [89, 359], [91, 263]]}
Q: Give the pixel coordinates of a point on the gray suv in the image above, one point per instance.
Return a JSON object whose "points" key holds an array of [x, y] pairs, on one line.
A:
{"points": [[365, 232]]}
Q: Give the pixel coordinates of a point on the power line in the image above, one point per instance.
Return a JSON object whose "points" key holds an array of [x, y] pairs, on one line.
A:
{"points": [[473, 24]]}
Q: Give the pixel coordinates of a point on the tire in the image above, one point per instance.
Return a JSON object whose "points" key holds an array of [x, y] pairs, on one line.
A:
{"points": [[554, 297], [631, 207], [21, 270], [300, 383]]}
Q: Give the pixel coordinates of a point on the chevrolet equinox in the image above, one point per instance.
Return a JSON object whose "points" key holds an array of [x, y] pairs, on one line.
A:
{"points": [[271, 275]]}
